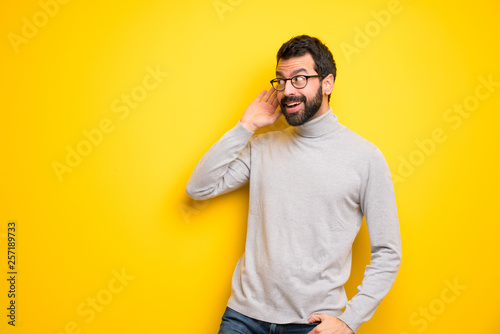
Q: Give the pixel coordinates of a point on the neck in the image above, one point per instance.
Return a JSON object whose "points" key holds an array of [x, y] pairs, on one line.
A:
{"points": [[323, 123]]}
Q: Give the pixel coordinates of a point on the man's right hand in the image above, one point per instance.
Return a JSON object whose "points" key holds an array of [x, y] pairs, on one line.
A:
{"points": [[262, 111]]}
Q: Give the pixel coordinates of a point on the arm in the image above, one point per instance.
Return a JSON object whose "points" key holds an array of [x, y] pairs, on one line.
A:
{"points": [[226, 166], [378, 204]]}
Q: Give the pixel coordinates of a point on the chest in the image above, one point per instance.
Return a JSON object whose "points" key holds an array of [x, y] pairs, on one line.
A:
{"points": [[323, 171]]}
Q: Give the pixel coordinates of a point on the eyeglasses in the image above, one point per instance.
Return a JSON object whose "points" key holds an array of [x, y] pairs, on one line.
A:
{"points": [[298, 81]]}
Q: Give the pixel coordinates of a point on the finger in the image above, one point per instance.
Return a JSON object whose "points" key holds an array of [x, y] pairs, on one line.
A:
{"points": [[269, 94], [260, 96], [276, 115], [273, 97], [314, 318], [275, 101]]}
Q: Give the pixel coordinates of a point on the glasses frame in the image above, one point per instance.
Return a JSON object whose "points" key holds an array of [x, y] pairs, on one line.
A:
{"points": [[291, 81]]}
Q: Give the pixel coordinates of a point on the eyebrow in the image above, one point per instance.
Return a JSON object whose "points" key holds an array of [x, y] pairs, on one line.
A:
{"points": [[293, 73]]}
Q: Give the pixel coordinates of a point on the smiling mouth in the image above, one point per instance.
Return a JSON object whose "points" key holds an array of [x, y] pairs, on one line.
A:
{"points": [[292, 107]]}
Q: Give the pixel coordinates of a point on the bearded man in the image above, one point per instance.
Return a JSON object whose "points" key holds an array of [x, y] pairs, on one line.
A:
{"points": [[310, 186]]}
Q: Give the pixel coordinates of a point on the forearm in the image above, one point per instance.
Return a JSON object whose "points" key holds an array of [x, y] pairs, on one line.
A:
{"points": [[378, 280], [222, 168]]}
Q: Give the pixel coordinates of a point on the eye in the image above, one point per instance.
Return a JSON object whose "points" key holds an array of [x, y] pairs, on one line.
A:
{"points": [[299, 79]]}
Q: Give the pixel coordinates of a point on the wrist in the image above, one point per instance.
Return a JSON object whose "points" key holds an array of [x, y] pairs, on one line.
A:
{"points": [[248, 126]]}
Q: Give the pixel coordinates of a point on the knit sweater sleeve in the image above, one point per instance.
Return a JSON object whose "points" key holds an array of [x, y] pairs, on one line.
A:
{"points": [[225, 167], [378, 204]]}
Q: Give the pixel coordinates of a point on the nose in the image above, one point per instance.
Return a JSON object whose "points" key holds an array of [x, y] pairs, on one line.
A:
{"points": [[289, 89]]}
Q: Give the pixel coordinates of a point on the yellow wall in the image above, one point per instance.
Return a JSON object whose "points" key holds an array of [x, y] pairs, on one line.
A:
{"points": [[108, 242]]}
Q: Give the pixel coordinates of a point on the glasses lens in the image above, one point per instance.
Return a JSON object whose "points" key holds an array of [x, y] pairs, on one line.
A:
{"points": [[299, 81], [279, 84]]}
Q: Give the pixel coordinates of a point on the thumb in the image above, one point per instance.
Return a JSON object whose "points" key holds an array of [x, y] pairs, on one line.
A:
{"points": [[315, 318], [277, 115]]}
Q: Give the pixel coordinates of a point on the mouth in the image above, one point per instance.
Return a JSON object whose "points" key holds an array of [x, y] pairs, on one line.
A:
{"points": [[292, 107]]}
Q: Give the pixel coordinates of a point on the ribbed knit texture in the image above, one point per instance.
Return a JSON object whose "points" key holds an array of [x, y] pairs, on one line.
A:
{"points": [[309, 189]]}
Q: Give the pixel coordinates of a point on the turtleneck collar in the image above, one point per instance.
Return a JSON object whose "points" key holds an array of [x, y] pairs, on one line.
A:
{"points": [[319, 126]]}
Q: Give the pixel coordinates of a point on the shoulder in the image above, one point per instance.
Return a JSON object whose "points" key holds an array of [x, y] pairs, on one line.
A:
{"points": [[359, 143], [366, 154], [272, 137]]}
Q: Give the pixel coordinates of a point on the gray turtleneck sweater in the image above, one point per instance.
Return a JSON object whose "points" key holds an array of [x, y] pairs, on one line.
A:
{"points": [[310, 187]]}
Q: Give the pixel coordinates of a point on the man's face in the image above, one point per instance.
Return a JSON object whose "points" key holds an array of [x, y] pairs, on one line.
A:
{"points": [[299, 105]]}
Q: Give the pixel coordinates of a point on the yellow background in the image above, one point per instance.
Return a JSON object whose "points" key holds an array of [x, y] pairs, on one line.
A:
{"points": [[123, 207]]}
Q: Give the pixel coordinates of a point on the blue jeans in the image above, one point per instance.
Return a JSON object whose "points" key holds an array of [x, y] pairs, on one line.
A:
{"points": [[236, 323]]}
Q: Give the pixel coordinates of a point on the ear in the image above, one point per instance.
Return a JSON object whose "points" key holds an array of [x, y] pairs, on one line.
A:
{"points": [[327, 84]]}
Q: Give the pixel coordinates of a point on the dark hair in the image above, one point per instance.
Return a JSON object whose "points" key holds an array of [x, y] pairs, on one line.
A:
{"points": [[298, 46]]}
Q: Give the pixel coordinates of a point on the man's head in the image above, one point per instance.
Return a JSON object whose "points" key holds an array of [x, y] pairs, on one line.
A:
{"points": [[309, 62]]}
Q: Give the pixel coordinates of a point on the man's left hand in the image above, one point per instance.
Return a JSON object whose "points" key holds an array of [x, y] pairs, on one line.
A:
{"points": [[329, 325]]}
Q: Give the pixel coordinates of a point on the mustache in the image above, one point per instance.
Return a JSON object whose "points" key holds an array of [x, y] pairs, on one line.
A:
{"points": [[293, 98]]}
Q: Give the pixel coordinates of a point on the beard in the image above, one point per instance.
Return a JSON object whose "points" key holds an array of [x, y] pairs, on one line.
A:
{"points": [[311, 107]]}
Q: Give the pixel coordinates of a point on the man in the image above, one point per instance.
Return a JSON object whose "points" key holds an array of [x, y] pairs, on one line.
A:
{"points": [[310, 186]]}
